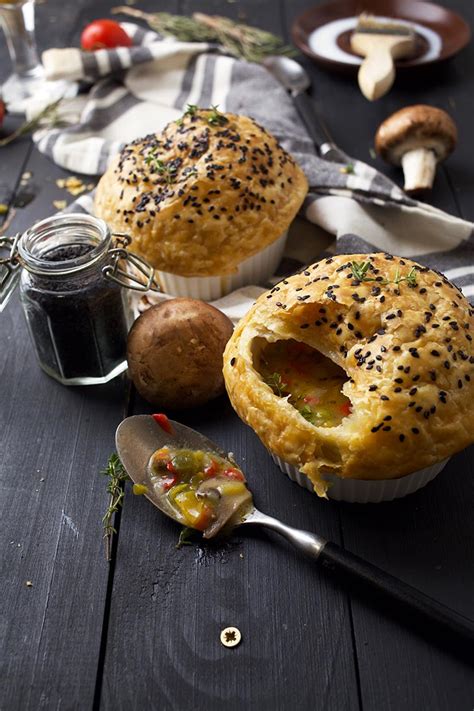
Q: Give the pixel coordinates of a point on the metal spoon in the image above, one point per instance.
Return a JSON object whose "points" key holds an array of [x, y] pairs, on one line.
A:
{"points": [[139, 436], [296, 80]]}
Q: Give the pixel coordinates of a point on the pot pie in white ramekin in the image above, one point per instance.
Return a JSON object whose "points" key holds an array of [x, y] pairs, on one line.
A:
{"points": [[357, 370], [208, 202]]}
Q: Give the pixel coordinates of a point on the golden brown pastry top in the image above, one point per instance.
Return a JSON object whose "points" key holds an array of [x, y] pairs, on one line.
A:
{"points": [[209, 192], [403, 335]]}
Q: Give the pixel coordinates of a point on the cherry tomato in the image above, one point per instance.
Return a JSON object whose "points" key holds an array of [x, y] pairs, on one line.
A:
{"points": [[163, 421], [102, 34], [232, 473]]}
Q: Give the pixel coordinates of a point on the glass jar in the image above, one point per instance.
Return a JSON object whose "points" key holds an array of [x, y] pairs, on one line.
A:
{"points": [[71, 283]]}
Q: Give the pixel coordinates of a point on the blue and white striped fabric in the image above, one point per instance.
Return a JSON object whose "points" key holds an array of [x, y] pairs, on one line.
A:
{"points": [[138, 90]]}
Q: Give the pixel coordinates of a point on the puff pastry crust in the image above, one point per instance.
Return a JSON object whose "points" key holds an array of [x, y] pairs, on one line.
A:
{"points": [[403, 335], [210, 191]]}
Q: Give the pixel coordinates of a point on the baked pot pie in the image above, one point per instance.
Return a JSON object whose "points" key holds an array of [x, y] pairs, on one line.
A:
{"points": [[207, 202], [359, 370]]}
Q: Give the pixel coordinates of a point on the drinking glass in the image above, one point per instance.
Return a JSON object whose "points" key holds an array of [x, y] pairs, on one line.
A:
{"points": [[17, 18], [18, 22]]}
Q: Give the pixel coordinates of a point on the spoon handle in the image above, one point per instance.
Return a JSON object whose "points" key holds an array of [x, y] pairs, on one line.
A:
{"points": [[408, 599], [316, 128], [352, 569]]}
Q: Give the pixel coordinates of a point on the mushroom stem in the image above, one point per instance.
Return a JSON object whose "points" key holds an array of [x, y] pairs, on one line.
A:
{"points": [[419, 168]]}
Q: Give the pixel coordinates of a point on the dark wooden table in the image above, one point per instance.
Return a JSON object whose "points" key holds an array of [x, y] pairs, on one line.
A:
{"points": [[143, 631]]}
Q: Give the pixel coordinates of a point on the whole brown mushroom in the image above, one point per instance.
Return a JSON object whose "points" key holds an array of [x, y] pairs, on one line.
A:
{"points": [[175, 353], [417, 138]]}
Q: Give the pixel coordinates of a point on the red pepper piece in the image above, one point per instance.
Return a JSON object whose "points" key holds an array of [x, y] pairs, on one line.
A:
{"points": [[346, 409], [169, 481], [164, 422], [204, 519], [211, 469], [170, 467], [232, 473]]}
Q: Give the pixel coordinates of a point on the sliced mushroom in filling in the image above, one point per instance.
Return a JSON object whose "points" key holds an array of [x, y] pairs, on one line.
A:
{"points": [[201, 489]]}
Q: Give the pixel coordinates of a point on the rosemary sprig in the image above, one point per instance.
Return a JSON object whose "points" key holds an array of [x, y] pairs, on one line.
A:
{"points": [[360, 269], [117, 476], [48, 114], [238, 40]]}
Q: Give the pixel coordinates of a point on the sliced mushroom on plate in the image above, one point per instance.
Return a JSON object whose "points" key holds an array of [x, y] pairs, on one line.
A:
{"points": [[417, 138]]}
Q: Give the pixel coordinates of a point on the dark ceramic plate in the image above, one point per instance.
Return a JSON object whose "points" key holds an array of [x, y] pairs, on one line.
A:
{"points": [[324, 32]]}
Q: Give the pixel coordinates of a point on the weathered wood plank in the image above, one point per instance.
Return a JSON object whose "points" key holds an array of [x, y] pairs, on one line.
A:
{"points": [[168, 606], [426, 539], [54, 442]]}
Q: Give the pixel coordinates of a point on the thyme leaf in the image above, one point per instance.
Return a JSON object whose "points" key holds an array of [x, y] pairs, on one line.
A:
{"points": [[166, 170], [191, 110], [349, 168], [359, 270], [117, 476], [185, 537], [275, 382], [308, 414], [216, 118]]}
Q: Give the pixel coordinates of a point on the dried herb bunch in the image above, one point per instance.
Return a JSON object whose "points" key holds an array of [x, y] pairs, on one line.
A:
{"points": [[237, 39]]}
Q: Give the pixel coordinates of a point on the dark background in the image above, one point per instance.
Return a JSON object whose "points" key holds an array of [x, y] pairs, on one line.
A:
{"points": [[143, 632]]}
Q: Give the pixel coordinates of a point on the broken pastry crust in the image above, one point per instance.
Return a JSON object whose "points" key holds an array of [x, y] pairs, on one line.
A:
{"points": [[401, 332]]}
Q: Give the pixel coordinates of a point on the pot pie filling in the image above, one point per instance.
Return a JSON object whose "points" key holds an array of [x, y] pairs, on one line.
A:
{"points": [[311, 382], [204, 491]]}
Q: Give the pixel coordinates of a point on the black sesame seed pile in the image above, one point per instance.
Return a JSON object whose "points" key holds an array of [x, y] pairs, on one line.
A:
{"points": [[227, 171], [407, 343]]}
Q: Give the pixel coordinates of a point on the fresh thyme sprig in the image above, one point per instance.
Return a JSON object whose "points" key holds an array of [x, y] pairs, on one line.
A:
{"points": [[360, 272], [185, 537], [216, 118], [48, 116], [308, 414], [349, 168], [117, 476], [275, 382], [191, 110], [166, 170], [238, 40]]}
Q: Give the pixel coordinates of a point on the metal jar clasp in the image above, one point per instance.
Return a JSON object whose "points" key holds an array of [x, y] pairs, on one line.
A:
{"points": [[139, 275], [9, 268]]}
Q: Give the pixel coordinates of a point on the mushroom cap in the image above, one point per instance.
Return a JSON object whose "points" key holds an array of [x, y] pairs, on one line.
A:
{"points": [[418, 126]]}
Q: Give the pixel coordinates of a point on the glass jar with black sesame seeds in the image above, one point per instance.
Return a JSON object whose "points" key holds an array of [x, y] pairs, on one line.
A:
{"points": [[71, 289]]}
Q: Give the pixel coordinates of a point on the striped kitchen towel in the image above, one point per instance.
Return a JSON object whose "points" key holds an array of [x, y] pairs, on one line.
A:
{"points": [[350, 208]]}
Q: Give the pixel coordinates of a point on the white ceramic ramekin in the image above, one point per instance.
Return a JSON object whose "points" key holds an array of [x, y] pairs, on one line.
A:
{"points": [[254, 270], [364, 491]]}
